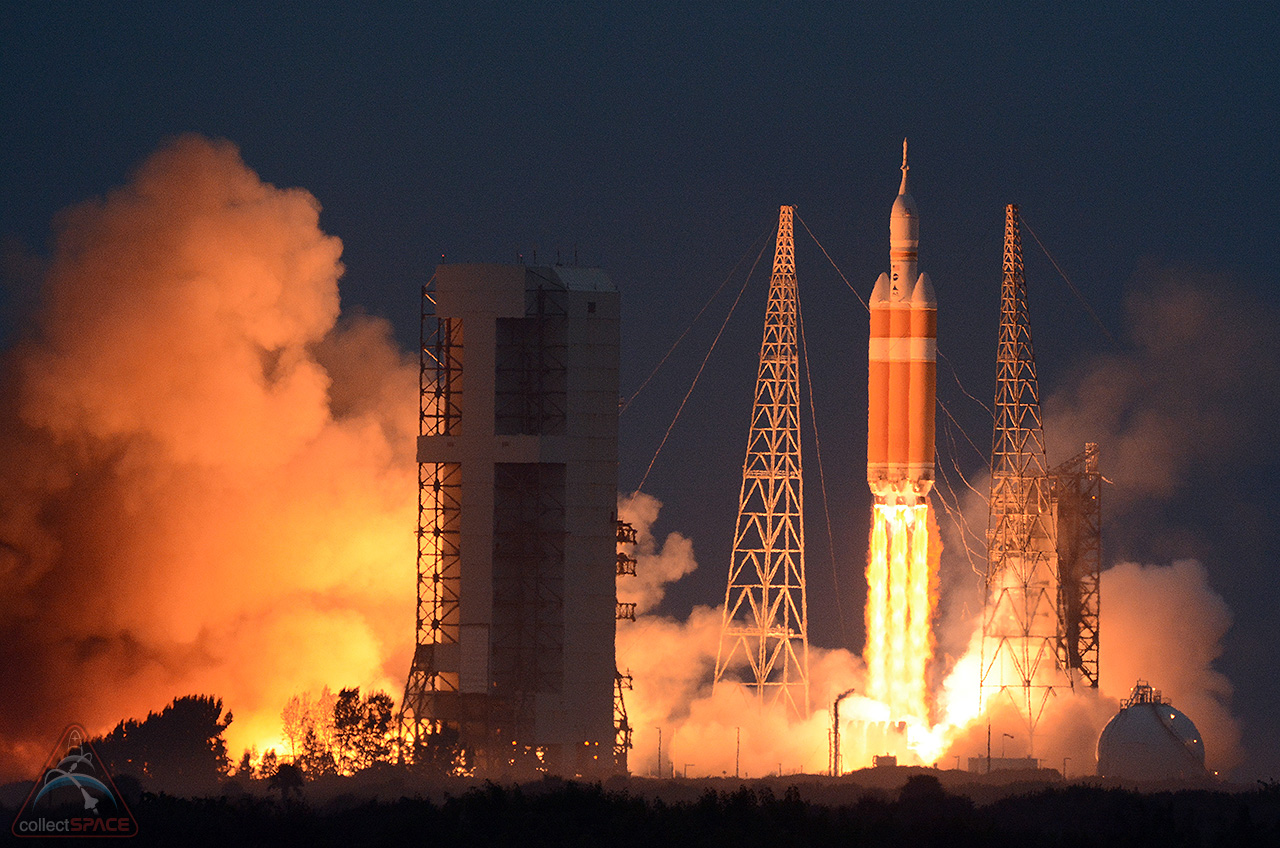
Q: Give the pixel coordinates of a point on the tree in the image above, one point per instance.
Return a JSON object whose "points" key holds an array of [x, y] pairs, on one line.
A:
{"points": [[362, 729], [316, 758], [269, 765], [342, 733], [302, 715], [179, 749], [287, 779]]}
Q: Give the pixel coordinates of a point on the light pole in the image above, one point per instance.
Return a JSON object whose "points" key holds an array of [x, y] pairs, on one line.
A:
{"points": [[1004, 736], [686, 770], [659, 766], [737, 751]]}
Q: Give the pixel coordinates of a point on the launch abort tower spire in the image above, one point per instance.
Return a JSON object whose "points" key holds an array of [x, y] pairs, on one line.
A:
{"points": [[766, 622], [1020, 624]]}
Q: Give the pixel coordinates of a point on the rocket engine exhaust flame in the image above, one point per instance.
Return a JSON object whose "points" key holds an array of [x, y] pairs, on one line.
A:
{"points": [[900, 602]]}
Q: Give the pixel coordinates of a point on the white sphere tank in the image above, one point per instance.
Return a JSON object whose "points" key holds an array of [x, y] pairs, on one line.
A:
{"points": [[1150, 740]]}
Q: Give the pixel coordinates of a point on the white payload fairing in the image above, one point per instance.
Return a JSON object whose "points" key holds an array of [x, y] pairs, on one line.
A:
{"points": [[902, 374]]}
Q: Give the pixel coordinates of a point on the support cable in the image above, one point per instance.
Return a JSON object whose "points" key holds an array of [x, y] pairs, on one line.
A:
{"points": [[955, 510], [822, 480], [1070, 285], [956, 514], [671, 350], [856, 293], [955, 374], [696, 376], [985, 457], [955, 464]]}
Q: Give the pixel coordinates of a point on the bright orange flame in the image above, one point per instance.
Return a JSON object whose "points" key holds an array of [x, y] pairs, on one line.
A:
{"points": [[899, 610], [877, 609]]}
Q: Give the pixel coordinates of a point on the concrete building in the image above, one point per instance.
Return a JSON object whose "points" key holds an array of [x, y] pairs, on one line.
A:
{"points": [[518, 479]]}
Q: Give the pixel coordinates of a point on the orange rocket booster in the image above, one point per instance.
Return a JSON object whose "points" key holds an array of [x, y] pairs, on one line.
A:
{"points": [[902, 374]]}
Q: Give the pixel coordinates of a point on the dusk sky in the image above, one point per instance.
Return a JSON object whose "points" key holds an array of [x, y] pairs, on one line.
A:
{"points": [[658, 140]]}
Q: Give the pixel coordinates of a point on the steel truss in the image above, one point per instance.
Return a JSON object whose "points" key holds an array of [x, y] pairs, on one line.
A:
{"points": [[1021, 623], [439, 532], [765, 619], [1077, 491]]}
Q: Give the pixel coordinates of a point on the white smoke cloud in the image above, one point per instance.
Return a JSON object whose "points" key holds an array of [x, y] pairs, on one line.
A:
{"points": [[672, 663], [209, 480], [656, 565], [1174, 402], [1165, 625]]}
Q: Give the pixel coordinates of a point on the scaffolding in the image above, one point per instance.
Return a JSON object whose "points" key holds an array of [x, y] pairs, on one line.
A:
{"points": [[516, 669], [439, 533], [1077, 491], [622, 682], [1021, 624], [765, 617]]}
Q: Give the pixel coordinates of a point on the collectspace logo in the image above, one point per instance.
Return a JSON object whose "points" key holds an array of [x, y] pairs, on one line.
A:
{"points": [[75, 796]]}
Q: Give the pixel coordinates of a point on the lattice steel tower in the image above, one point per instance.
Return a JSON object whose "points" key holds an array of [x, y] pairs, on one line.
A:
{"points": [[439, 529], [766, 621], [1020, 627], [1077, 494]]}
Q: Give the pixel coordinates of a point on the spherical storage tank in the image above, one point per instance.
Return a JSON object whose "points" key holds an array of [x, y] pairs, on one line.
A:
{"points": [[1150, 740]]}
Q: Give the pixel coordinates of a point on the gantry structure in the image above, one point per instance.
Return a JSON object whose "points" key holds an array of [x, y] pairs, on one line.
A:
{"points": [[513, 665], [1077, 493], [439, 583], [765, 625], [622, 682], [1021, 625]]}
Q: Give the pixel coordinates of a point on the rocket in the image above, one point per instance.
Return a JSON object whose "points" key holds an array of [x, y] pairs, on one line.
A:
{"points": [[902, 371]]}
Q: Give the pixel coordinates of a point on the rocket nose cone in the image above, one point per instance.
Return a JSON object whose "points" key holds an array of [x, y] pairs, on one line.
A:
{"points": [[904, 206], [922, 294], [880, 293]]}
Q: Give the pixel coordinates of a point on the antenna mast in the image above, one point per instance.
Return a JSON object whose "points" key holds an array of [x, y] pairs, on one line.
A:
{"points": [[1020, 624], [766, 621]]}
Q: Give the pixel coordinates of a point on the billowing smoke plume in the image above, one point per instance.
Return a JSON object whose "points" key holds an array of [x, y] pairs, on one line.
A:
{"points": [[1179, 415], [673, 662], [1168, 630], [208, 479], [1162, 624], [1196, 392], [656, 565], [1187, 414]]}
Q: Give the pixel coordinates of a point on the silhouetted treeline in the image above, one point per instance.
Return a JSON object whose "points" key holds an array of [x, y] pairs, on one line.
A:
{"points": [[553, 812], [339, 734], [179, 749]]}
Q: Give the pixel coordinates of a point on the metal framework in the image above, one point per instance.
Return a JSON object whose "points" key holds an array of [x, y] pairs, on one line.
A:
{"points": [[1021, 626], [527, 641], [439, 528], [765, 622], [1077, 491], [621, 725]]}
